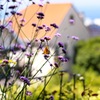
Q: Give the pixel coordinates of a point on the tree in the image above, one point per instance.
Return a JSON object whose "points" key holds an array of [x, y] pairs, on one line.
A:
{"points": [[88, 54]]}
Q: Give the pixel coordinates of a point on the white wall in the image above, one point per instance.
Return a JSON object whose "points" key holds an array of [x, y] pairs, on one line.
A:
{"points": [[66, 29], [38, 61]]}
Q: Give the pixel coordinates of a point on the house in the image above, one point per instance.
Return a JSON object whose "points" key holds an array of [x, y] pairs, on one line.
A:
{"points": [[29, 26]]}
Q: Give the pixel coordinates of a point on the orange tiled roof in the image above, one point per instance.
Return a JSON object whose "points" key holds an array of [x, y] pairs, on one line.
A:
{"points": [[54, 13]]}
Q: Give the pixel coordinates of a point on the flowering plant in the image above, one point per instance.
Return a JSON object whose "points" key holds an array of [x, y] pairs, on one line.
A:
{"points": [[18, 57]]}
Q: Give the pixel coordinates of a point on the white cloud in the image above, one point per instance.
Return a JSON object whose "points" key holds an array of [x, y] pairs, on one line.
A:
{"points": [[97, 21], [88, 21]]}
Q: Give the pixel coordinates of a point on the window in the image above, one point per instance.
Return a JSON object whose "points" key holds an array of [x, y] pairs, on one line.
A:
{"points": [[71, 19]]}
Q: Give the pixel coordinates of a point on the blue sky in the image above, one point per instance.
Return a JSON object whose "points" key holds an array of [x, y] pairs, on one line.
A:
{"points": [[90, 8]]}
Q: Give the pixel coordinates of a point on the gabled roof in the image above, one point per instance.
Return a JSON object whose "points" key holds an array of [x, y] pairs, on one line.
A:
{"points": [[54, 13]]}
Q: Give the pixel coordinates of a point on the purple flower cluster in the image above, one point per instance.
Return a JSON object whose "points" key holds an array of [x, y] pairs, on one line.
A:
{"points": [[13, 7], [47, 38], [54, 25], [1, 7], [64, 51], [2, 27], [28, 93], [1, 47], [62, 59], [33, 24], [29, 55], [75, 37], [22, 20], [60, 44], [47, 29], [56, 65], [51, 97], [40, 15], [25, 80], [40, 27], [13, 12], [57, 34]]}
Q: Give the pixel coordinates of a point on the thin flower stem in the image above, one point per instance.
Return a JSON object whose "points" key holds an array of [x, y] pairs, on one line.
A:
{"points": [[74, 86], [84, 84], [4, 89], [46, 85], [61, 80], [44, 88], [20, 92]]}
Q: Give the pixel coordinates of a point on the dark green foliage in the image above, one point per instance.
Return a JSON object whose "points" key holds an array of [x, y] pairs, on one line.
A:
{"points": [[88, 54]]}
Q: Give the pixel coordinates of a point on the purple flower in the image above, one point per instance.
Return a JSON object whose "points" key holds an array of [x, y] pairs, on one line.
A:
{"points": [[47, 38], [12, 7], [60, 44], [28, 93], [42, 40], [54, 25], [5, 61], [28, 44], [40, 13], [40, 17], [75, 37], [44, 25], [36, 40], [10, 23], [41, 5], [22, 20], [51, 97], [33, 24], [10, 83], [29, 55], [13, 12], [12, 31], [47, 29], [18, 72], [2, 27], [12, 50], [40, 46], [33, 2], [56, 65], [63, 50], [6, 13], [25, 80], [21, 25], [1, 47], [61, 58], [51, 64], [40, 27], [46, 56], [1, 7], [19, 14], [23, 49], [13, 0], [66, 59], [57, 34]]}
